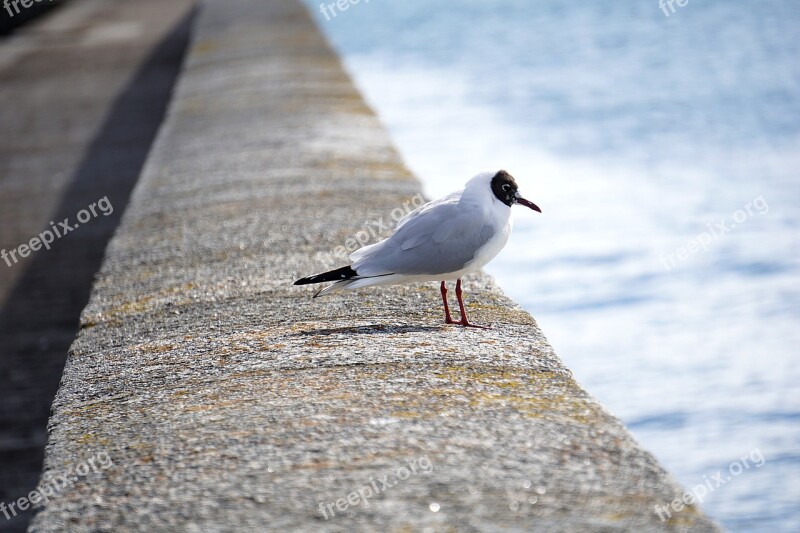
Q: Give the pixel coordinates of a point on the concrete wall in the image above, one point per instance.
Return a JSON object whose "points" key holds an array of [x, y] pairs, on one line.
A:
{"points": [[209, 394]]}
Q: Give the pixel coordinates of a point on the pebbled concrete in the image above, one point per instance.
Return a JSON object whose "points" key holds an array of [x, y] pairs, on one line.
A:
{"points": [[229, 400]]}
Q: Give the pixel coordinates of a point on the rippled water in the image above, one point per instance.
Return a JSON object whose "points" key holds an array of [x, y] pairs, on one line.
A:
{"points": [[664, 153]]}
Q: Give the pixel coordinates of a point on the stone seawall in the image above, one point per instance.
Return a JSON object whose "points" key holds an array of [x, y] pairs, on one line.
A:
{"points": [[204, 392]]}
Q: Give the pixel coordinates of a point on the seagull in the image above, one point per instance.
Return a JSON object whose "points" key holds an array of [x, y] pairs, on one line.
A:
{"points": [[442, 240]]}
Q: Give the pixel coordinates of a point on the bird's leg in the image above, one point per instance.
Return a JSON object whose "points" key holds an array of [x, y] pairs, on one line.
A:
{"points": [[447, 318], [464, 320]]}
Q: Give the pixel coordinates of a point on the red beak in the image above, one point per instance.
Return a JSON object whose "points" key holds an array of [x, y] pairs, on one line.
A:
{"points": [[526, 203]]}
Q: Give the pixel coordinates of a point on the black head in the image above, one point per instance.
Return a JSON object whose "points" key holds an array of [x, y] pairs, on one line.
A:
{"points": [[505, 189]]}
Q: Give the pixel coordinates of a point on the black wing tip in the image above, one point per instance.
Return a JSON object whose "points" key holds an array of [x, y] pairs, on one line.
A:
{"points": [[339, 274]]}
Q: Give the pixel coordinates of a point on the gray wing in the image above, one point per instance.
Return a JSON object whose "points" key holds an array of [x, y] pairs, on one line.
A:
{"points": [[440, 239]]}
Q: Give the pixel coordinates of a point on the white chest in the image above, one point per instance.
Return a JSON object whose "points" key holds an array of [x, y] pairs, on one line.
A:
{"points": [[492, 247], [500, 217]]}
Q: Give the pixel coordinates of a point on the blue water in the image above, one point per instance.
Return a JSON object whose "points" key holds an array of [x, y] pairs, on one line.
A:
{"points": [[664, 152]]}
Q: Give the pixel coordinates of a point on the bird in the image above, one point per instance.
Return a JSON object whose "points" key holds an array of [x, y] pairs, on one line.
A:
{"points": [[442, 240]]}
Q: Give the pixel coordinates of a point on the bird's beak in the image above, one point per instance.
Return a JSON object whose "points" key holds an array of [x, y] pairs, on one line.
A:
{"points": [[526, 203]]}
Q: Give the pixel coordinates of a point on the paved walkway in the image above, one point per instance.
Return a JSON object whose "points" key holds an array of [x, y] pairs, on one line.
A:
{"points": [[83, 92]]}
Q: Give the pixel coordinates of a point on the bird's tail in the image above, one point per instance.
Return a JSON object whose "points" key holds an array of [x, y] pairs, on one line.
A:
{"points": [[342, 276]]}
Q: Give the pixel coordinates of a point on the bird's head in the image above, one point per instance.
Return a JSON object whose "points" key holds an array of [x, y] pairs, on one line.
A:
{"points": [[504, 188]]}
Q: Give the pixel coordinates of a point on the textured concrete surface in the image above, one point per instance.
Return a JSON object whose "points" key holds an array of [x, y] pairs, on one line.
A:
{"points": [[83, 92], [229, 400]]}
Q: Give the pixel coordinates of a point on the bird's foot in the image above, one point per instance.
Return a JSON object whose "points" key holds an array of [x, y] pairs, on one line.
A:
{"points": [[468, 324], [476, 326]]}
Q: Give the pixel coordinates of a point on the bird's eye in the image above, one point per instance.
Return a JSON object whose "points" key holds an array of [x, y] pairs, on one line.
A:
{"points": [[506, 187]]}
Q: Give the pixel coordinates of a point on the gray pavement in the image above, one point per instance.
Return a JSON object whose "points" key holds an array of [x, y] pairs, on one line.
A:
{"points": [[83, 92], [204, 392]]}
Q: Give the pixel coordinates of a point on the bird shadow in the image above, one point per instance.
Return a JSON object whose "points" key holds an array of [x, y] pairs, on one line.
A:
{"points": [[370, 329]]}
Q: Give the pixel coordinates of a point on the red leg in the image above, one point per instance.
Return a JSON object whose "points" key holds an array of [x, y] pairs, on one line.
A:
{"points": [[447, 318], [464, 320]]}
